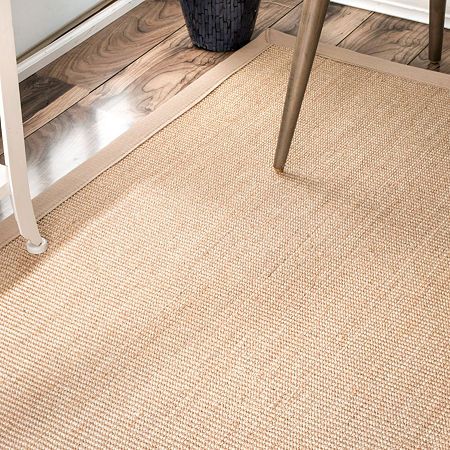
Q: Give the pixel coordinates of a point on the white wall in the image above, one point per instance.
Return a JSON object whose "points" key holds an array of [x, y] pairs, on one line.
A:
{"points": [[409, 9], [36, 20]]}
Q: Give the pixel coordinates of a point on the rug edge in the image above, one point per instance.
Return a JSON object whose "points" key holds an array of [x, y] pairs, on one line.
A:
{"points": [[146, 127], [353, 58], [64, 188]]}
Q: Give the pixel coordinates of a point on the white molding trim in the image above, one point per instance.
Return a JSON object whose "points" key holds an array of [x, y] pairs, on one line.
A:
{"points": [[74, 37], [416, 10]]}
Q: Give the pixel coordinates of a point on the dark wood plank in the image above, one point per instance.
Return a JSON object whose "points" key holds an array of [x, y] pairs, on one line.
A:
{"points": [[71, 77], [110, 110], [114, 47], [162, 73], [444, 66], [39, 95], [39, 91], [289, 3], [388, 37], [339, 22]]}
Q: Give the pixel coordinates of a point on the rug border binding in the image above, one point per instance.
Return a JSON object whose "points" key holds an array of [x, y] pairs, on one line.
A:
{"points": [[146, 127]]}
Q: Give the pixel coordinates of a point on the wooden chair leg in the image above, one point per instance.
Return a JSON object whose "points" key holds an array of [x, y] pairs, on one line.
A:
{"points": [[437, 17], [311, 24]]}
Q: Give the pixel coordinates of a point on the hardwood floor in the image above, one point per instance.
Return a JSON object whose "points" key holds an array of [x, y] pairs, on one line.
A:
{"points": [[390, 38], [421, 60], [339, 22], [97, 59], [81, 102]]}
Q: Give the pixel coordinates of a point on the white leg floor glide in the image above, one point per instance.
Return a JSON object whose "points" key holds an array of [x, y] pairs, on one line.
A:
{"points": [[13, 176]]}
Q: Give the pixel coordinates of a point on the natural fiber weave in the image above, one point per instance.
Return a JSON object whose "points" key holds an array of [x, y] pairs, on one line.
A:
{"points": [[191, 297]]}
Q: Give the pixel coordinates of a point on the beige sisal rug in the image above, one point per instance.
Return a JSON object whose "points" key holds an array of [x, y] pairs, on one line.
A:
{"points": [[191, 297]]}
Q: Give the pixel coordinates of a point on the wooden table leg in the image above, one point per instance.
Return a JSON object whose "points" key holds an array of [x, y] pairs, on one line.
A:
{"points": [[437, 18], [311, 24]]}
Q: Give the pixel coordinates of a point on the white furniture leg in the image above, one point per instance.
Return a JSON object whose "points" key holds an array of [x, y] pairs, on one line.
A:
{"points": [[12, 135]]}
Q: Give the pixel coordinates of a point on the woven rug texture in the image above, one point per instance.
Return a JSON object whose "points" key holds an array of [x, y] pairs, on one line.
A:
{"points": [[192, 298]]}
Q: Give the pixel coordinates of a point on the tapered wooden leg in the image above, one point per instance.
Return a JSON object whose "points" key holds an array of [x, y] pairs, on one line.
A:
{"points": [[311, 24], [437, 17]]}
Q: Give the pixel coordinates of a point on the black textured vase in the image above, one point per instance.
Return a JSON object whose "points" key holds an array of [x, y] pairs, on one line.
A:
{"points": [[220, 25]]}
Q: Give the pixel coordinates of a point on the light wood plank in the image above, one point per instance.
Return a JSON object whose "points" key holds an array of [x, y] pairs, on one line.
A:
{"points": [[50, 107], [339, 22], [289, 3], [388, 37], [160, 74], [54, 108]]}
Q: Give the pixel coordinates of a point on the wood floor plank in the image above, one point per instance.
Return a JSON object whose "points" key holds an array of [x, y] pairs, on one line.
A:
{"points": [[114, 47], [289, 3], [444, 66], [340, 22], [41, 97], [48, 111], [71, 77], [163, 72], [38, 91], [92, 123], [388, 37]]}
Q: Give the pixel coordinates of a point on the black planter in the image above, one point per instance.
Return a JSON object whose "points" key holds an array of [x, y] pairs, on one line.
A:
{"points": [[220, 25]]}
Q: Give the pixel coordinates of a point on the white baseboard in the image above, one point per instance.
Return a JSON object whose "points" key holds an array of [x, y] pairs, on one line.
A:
{"points": [[416, 10], [74, 37]]}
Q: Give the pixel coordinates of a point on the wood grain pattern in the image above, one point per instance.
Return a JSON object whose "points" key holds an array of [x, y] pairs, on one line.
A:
{"points": [[422, 61], [164, 71], [339, 22], [388, 37], [50, 105], [117, 45], [37, 92], [71, 77], [289, 3], [53, 109]]}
